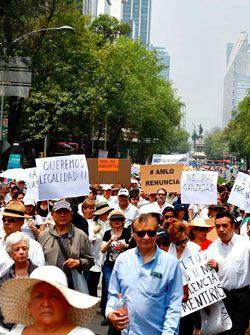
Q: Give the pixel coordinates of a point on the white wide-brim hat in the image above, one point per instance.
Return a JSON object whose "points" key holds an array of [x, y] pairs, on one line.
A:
{"points": [[199, 222], [15, 297]]}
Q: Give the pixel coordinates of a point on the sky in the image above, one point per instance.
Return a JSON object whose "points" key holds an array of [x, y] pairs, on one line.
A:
{"points": [[195, 33]]}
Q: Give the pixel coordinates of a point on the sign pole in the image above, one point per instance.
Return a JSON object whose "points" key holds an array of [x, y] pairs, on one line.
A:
{"points": [[1, 118]]}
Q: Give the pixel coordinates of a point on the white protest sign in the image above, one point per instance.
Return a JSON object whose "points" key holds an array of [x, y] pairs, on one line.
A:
{"points": [[203, 284], [237, 194], [199, 187], [170, 159], [247, 200], [32, 184], [62, 177]]}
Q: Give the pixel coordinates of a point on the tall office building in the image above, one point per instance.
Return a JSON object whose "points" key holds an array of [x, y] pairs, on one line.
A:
{"points": [[237, 77], [137, 13], [89, 7], [164, 59]]}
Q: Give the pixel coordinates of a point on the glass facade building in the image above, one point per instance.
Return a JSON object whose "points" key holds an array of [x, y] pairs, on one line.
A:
{"points": [[237, 77], [138, 14]]}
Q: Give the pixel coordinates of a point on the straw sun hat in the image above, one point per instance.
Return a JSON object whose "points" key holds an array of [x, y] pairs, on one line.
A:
{"points": [[15, 296], [15, 209], [200, 223]]}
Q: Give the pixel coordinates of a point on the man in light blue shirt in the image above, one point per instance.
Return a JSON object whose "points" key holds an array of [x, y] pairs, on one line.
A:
{"points": [[150, 281]]}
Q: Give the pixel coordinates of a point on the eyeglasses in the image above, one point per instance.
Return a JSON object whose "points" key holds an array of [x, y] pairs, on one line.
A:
{"points": [[202, 229], [10, 220], [161, 194], [142, 233], [179, 243]]}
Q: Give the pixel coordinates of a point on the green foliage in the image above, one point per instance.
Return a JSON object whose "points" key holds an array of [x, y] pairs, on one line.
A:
{"points": [[216, 144], [93, 77], [237, 132]]}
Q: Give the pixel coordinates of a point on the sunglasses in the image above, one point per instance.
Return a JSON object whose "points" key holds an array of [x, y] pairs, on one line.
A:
{"points": [[118, 219], [142, 233], [179, 243], [161, 194], [203, 229], [10, 220]]}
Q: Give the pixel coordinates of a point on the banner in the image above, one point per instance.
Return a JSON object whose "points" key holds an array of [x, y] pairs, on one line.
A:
{"points": [[203, 284], [62, 177], [167, 176], [199, 187], [237, 194], [170, 159]]}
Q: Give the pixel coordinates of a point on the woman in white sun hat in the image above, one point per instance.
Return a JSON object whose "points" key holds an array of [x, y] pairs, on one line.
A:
{"points": [[43, 304]]}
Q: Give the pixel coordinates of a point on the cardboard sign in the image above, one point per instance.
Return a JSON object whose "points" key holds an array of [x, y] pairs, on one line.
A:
{"points": [[237, 194], [203, 284], [166, 176], [121, 175], [199, 187], [170, 159], [108, 164], [62, 177]]}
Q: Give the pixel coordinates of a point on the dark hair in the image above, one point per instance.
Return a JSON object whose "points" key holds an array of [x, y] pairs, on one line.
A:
{"points": [[167, 209], [134, 193], [221, 215]]}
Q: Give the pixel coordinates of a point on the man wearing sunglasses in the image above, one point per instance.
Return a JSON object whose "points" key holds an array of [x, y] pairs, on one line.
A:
{"points": [[229, 255], [150, 281], [13, 218]]}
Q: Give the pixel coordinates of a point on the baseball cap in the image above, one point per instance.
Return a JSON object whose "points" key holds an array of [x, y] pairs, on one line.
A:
{"points": [[106, 187], [61, 205], [123, 191]]}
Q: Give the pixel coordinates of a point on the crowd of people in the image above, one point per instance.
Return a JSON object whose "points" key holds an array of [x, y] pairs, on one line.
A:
{"points": [[131, 243]]}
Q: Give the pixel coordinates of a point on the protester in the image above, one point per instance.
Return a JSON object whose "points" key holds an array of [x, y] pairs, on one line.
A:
{"points": [[150, 281], [168, 217], [115, 241], [88, 208], [181, 248], [159, 205], [64, 238], [33, 226], [107, 196], [130, 211], [17, 246], [13, 218], [180, 212], [134, 197], [198, 230], [97, 228], [43, 304], [229, 255]]}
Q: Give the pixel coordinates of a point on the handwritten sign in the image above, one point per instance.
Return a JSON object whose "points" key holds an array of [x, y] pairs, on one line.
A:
{"points": [[32, 184], [199, 187], [216, 321], [237, 194], [62, 177], [203, 284], [247, 200], [166, 176], [108, 164]]}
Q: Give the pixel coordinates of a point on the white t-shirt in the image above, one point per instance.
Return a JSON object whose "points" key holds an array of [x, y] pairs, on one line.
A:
{"points": [[76, 331]]}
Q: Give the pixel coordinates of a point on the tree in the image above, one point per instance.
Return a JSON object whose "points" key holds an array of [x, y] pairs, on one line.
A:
{"points": [[237, 132], [216, 144]]}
